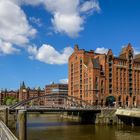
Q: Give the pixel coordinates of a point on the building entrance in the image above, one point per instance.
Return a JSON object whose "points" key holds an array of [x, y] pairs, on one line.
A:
{"points": [[110, 101]]}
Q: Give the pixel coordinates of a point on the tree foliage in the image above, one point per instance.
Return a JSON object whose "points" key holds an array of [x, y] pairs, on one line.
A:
{"points": [[10, 100]]}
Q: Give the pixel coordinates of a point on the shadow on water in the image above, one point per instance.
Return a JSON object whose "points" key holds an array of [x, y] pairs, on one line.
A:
{"points": [[51, 127], [48, 120]]}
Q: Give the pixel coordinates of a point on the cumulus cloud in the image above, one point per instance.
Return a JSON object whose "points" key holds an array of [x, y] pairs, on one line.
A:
{"points": [[68, 16], [64, 81], [101, 50], [6, 48], [36, 21], [70, 25], [90, 5], [27, 2], [49, 55], [136, 51], [14, 26]]}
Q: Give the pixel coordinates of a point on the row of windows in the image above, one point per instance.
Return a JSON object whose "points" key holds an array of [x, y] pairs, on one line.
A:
{"points": [[122, 63]]}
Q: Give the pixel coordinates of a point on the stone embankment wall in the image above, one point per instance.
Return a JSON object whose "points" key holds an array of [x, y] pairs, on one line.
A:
{"points": [[105, 117], [74, 116], [8, 119]]}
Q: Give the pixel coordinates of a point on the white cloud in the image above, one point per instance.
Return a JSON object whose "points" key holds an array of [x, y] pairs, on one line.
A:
{"points": [[48, 54], [136, 51], [32, 50], [36, 21], [64, 81], [32, 2], [6, 48], [68, 16], [70, 25], [14, 26], [101, 50], [27, 2], [90, 5]]}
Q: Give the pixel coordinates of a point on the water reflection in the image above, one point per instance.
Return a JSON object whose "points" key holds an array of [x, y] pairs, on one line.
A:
{"points": [[51, 127]]}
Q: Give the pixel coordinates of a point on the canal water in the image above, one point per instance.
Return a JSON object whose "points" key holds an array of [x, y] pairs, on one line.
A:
{"points": [[51, 127]]}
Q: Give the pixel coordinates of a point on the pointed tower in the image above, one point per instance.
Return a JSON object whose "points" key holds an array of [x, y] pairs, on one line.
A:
{"points": [[22, 85], [76, 47], [22, 91]]}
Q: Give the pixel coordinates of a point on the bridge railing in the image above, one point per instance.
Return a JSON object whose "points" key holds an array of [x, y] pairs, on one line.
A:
{"points": [[5, 133]]}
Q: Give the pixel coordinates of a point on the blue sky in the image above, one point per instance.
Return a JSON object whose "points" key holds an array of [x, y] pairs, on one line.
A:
{"points": [[37, 36]]}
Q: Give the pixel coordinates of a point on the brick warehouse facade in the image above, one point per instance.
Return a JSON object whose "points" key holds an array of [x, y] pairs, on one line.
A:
{"points": [[60, 89], [104, 79], [25, 92]]}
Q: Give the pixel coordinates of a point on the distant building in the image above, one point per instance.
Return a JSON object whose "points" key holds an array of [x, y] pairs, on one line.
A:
{"points": [[22, 94], [56, 88], [104, 79], [8, 93], [60, 89], [26, 93]]}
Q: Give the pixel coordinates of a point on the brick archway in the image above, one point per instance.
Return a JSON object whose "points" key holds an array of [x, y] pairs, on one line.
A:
{"points": [[110, 100]]}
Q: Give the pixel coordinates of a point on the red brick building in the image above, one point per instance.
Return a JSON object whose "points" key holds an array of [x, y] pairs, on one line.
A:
{"points": [[60, 89], [23, 93], [56, 88], [26, 93], [8, 93], [104, 79]]}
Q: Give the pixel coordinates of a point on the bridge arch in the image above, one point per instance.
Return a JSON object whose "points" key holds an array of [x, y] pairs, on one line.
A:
{"points": [[69, 101]]}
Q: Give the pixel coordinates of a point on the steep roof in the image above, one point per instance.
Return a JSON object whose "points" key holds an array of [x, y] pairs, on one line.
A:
{"points": [[125, 50], [22, 85]]}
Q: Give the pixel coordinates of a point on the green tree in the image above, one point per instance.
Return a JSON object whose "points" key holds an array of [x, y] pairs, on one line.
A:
{"points": [[9, 102], [14, 101]]}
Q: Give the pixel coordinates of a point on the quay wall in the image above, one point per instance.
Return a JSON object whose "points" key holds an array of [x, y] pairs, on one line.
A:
{"points": [[105, 117]]}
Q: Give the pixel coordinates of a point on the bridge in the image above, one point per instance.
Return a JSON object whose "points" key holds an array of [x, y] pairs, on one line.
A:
{"points": [[64, 104], [59, 103], [46, 109], [55, 101]]}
